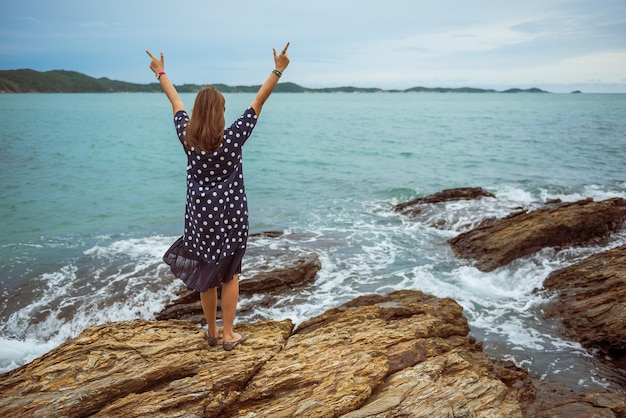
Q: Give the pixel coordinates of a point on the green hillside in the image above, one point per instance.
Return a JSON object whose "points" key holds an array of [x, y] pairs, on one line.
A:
{"points": [[61, 81]]}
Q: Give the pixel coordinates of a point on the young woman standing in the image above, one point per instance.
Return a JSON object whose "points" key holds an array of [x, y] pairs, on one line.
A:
{"points": [[214, 241]]}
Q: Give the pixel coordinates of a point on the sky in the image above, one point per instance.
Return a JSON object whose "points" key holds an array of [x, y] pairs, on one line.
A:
{"points": [[557, 45]]}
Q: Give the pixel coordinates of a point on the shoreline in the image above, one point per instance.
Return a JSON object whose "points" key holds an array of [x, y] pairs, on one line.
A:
{"points": [[61, 81], [392, 349]]}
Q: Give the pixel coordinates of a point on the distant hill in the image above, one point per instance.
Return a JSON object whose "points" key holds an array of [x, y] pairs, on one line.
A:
{"points": [[61, 81]]}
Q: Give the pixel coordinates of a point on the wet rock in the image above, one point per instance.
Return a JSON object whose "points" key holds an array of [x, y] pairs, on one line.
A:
{"points": [[577, 223], [554, 400], [267, 234], [415, 206], [591, 301], [296, 271]]}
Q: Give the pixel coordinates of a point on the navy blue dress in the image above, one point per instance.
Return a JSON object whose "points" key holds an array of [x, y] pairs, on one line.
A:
{"points": [[216, 216]]}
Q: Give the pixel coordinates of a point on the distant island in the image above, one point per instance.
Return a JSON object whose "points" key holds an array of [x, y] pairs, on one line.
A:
{"points": [[61, 81]]}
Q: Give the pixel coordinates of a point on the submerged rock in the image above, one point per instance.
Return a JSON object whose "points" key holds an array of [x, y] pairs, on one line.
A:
{"points": [[591, 301], [554, 400], [521, 234], [415, 206]]}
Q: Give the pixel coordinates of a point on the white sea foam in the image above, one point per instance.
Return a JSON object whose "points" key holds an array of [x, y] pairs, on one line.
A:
{"points": [[123, 280], [15, 352], [390, 253]]}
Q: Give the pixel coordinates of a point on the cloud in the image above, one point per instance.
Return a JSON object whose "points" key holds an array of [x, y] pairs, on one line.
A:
{"points": [[470, 39], [396, 45], [105, 25], [31, 19], [605, 67]]}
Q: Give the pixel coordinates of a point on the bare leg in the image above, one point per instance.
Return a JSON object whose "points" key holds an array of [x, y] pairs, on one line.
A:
{"points": [[209, 307], [230, 297]]}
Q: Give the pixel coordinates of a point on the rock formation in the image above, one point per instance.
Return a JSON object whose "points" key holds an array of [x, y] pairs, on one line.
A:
{"points": [[296, 271], [407, 350], [521, 234], [415, 206], [405, 354], [138, 368], [591, 301]]}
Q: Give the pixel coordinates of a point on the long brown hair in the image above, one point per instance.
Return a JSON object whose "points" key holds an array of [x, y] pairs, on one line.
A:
{"points": [[206, 126]]}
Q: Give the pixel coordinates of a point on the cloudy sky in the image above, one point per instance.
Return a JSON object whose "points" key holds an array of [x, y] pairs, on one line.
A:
{"points": [[559, 45]]}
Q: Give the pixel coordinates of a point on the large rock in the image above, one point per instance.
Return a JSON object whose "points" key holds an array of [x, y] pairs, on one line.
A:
{"points": [[138, 368], [409, 349], [591, 300], [330, 367], [500, 242], [405, 354]]}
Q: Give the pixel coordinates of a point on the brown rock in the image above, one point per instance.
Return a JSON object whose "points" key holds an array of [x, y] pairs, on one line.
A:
{"points": [[557, 401], [522, 234], [408, 350], [591, 300], [405, 354], [451, 384], [138, 368], [414, 207], [295, 272], [186, 307]]}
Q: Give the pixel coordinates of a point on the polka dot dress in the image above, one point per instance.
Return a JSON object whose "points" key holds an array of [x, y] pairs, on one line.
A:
{"points": [[216, 214]]}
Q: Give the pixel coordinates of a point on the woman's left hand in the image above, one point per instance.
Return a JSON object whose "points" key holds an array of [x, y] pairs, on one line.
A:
{"points": [[156, 65], [281, 60]]}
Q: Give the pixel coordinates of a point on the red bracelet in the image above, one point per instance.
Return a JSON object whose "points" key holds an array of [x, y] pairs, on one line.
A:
{"points": [[159, 74]]}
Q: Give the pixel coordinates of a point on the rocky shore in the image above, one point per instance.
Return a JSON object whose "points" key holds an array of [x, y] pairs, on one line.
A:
{"points": [[498, 242], [405, 354]]}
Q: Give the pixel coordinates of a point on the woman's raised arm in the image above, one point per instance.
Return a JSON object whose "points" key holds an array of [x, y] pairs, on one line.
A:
{"points": [[281, 61], [158, 66]]}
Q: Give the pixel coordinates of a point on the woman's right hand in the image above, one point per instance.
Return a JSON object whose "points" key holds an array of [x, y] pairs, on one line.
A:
{"points": [[281, 60]]}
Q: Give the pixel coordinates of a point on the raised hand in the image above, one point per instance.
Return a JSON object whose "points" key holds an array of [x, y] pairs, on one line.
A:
{"points": [[281, 60], [156, 65]]}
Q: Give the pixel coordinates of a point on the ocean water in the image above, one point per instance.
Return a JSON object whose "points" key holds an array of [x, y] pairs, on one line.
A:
{"points": [[92, 194]]}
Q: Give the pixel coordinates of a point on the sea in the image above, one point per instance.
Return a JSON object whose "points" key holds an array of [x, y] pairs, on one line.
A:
{"points": [[92, 190]]}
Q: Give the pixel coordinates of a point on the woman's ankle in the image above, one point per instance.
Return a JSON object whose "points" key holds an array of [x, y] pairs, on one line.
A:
{"points": [[231, 337], [213, 330]]}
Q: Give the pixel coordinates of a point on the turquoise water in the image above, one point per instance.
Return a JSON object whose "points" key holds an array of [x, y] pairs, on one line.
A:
{"points": [[92, 193]]}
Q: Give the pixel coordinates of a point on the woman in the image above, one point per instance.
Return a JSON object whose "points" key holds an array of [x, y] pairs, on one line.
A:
{"points": [[216, 217]]}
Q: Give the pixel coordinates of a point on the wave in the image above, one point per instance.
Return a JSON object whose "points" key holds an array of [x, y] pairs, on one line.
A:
{"points": [[120, 281]]}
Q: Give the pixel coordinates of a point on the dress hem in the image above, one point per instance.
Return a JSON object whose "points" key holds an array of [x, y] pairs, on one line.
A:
{"points": [[196, 273]]}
